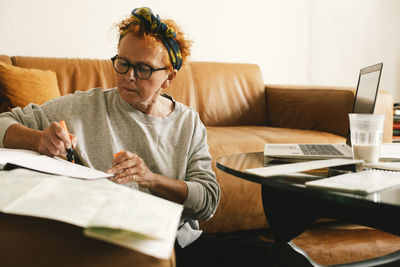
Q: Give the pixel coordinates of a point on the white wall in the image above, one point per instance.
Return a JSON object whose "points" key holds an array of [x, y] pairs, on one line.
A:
{"points": [[273, 34], [293, 41], [350, 34]]}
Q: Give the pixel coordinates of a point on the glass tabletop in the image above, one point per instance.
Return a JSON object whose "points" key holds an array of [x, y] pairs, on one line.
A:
{"points": [[237, 163]]}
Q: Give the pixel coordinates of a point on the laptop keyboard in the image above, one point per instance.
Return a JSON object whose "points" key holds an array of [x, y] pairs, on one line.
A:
{"points": [[314, 149]]}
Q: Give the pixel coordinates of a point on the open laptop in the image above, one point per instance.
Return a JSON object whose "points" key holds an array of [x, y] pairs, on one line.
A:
{"points": [[365, 98]]}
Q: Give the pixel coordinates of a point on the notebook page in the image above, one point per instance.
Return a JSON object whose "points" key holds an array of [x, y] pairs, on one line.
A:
{"points": [[363, 182], [390, 150], [55, 165], [109, 211], [7, 154]]}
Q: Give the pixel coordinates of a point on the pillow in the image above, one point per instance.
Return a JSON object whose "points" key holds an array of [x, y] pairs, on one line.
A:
{"points": [[21, 86]]}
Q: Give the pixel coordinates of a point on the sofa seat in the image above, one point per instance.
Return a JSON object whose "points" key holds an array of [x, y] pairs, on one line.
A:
{"points": [[241, 139]]}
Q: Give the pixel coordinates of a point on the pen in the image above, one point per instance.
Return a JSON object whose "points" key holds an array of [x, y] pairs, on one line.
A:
{"points": [[70, 152]]}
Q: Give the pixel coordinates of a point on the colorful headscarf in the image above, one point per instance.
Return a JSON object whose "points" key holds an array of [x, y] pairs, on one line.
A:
{"points": [[145, 16]]}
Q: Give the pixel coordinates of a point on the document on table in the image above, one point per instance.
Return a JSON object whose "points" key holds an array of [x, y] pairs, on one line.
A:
{"points": [[300, 167], [363, 182], [390, 150], [108, 211], [12, 158], [393, 166]]}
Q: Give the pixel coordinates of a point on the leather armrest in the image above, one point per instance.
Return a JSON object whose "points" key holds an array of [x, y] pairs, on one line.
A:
{"points": [[319, 108], [5, 59]]}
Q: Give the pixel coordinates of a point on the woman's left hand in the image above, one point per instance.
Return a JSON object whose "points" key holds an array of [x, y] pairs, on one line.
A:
{"points": [[129, 167]]}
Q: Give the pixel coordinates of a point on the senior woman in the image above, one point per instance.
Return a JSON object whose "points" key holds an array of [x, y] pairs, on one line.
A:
{"points": [[162, 143]]}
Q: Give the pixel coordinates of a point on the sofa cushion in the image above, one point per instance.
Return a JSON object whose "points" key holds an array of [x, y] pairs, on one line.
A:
{"points": [[310, 107], [21, 86], [182, 88], [73, 73], [229, 94]]}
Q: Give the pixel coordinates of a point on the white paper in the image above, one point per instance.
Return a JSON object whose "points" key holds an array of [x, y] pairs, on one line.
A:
{"points": [[162, 236], [59, 198], [157, 248], [53, 165], [7, 154], [140, 206], [390, 150], [363, 182], [127, 217], [300, 167], [18, 185], [393, 166]]}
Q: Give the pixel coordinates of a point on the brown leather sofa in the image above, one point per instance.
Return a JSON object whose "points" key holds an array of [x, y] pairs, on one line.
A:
{"points": [[241, 114]]}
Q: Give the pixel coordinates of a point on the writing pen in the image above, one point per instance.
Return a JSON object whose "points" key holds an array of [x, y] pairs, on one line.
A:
{"points": [[70, 151]]}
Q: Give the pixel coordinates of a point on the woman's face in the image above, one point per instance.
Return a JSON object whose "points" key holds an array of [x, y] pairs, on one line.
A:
{"points": [[142, 94]]}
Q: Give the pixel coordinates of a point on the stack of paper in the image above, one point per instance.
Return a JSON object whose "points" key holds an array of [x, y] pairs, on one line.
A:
{"points": [[106, 210]]}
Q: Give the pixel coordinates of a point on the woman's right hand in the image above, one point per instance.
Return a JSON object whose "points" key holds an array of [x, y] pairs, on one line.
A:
{"points": [[55, 140]]}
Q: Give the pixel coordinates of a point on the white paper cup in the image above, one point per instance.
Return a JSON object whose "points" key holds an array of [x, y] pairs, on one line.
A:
{"points": [[366, 135]]}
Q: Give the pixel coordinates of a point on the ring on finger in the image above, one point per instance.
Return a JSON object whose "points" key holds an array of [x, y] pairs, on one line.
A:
{"points": [[133, 178]]}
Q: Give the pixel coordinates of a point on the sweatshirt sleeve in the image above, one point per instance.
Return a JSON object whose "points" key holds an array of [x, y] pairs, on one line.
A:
{"points": [[31, 116], [36, 116], [203, 188]]}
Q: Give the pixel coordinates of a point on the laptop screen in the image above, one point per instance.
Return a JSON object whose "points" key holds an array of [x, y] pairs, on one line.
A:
{"points": [[367, 91]]}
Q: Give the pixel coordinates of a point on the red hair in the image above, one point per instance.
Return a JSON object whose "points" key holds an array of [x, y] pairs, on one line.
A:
{"points": [[131, 25]]}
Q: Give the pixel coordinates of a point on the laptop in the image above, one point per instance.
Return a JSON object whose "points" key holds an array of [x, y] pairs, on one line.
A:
{"points": [[364, 102]]}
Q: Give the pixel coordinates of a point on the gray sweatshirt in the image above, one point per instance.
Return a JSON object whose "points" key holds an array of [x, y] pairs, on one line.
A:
{"points": [[174, 146]]}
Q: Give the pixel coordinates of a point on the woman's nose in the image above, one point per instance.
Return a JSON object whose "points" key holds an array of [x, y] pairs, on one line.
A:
{"points": [[130, 75]]}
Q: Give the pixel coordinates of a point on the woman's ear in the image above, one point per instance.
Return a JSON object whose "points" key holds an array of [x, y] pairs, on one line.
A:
{"points": [[169, 79]]}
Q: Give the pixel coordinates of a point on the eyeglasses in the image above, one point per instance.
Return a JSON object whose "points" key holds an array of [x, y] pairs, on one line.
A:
{"points": [[141, 70]]}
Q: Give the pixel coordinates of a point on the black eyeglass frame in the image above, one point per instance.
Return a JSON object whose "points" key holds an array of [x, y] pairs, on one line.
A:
{"points": [[134, 66]]}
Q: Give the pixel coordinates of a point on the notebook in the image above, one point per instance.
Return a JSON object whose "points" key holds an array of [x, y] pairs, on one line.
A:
{"points": [[363, 183], [365, 98], [298, 167]]}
